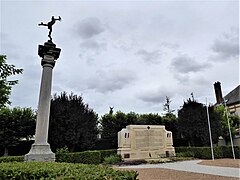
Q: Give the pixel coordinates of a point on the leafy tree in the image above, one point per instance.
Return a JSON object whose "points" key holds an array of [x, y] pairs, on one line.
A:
{"points": [[193, 124], [171, 124], [16, 124], [72, 123], [113, 123], [6, 70], [233, 121], [150, 119]]}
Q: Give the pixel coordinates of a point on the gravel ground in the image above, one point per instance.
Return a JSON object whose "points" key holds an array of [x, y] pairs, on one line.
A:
{"points": [[224, 169], [222, 163]]}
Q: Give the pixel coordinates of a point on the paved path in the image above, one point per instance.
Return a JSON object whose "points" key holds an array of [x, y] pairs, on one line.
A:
{"points": [[192, 166]]}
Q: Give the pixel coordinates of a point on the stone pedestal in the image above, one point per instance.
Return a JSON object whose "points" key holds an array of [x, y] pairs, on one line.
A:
{"points": [[40, 150]]}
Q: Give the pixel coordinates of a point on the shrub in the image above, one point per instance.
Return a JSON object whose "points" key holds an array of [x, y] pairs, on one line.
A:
{"points": [[62, 150], [112, 159], [52, 170], [86, 157], [185, 154], [227, 151], [11, 159], [205, 152], [106, 153]]}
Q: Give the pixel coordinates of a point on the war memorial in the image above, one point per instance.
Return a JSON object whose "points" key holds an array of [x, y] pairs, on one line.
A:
{"points": [[147, 142]]}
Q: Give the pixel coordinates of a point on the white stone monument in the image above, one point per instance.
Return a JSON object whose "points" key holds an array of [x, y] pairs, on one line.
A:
{"points": [[147, 142], [40, 150]]}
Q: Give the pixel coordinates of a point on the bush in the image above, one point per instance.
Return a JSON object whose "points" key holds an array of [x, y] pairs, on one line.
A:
{"points": [[205, 152], [86, 157], [112, 159], [11, 159], [52, 170], [62, 150], [106, 153]]}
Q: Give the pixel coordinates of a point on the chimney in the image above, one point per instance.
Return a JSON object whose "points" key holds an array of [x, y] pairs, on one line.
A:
{"points": [[218, 92]]}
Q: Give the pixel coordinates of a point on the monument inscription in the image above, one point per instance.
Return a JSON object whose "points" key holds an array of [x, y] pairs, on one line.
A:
{"points": [[145, 142]]}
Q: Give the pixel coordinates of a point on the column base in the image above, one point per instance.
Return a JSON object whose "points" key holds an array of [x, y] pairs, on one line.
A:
{"points": [[40, 152]]}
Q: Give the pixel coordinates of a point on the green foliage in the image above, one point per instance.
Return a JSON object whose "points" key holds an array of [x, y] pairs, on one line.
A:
{"points": [[52, 170], [16, 124], [112, 159], [86, 157], [233, 121], [72, 123], [150, 119], [6, 70], [62, 150], [193, 124], [11, 159], [106, 153], [205, 152]]}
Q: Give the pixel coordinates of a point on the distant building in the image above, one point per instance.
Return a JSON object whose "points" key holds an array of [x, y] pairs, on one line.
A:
{"points": [[233, 101], [232, 98]]}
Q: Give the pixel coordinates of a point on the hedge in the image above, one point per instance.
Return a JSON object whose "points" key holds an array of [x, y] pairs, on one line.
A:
{"points": [[86, 157], [97, 157], [53, 170], [107, 153], [205, 152], [11, 159]]}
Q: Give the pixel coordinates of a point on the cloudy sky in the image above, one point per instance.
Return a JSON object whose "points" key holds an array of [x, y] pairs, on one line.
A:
{"points": [[126, 54]]}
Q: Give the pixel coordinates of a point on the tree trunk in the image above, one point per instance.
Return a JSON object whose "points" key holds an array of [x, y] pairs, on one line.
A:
{"points": [[5, 151]]}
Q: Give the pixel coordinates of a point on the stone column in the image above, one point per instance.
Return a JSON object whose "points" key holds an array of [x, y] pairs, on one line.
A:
{"points": [[40, 150]]}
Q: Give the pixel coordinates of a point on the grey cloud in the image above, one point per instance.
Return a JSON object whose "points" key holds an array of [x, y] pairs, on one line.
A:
{"points": [[93, 45], [110, 81], [89, 27], [155, 96], [185, 64], [170, 45], [183, 78], [149, 56], [228, 46]]}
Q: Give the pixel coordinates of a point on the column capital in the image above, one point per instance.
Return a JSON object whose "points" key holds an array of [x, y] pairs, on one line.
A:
{"points": [[49, 49]]}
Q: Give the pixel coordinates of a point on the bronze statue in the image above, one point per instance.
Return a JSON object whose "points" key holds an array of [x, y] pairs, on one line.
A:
{"points": [[50, 24]]}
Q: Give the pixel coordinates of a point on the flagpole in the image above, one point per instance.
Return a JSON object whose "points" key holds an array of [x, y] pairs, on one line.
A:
{"points": [[230, 134], [209, 128]]}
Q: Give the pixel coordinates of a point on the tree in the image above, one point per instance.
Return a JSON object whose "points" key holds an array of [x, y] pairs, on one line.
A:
{"points": [[16, 124], [150, 119], [72, 123], [233, 121], [193, 125], [111, 124], [166, 106], [6, 71]]}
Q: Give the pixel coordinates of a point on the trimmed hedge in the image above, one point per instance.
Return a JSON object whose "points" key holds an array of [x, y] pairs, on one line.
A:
{"points": [[97, 157], [107, 153], [86, 157], [205, 152], [53, 170], [11, 159]]}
